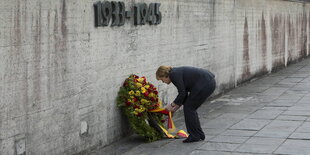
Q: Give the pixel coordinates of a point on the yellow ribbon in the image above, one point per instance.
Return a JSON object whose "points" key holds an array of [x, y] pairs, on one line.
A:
{"points": [[171, 126]]}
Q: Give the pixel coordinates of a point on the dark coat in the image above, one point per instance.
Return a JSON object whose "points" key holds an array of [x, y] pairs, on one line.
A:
{"points": [[189, 80]]}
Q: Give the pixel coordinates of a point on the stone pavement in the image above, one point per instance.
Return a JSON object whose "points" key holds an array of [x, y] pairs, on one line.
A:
{"points": [[269, 115]]}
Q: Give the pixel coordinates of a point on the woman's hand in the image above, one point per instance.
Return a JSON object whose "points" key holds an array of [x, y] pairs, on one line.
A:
{"points": [[175, 108], [172, 107], [168, 107]]}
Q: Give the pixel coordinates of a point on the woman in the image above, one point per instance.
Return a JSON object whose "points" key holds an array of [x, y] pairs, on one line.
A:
{"points": [[194, 86]]}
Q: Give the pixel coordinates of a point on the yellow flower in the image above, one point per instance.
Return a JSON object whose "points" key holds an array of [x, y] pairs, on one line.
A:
{"points": [[129, 100], [131, 92], [141, 80], [138, 93], [138, 85], [147, 86], [151, 95], [132, 97], [143, 101], [139, 110], [135, 112], [143, 90], [142, 109]]}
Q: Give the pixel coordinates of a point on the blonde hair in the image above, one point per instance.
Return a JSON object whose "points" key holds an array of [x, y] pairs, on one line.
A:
{"points": [[163, 71]]}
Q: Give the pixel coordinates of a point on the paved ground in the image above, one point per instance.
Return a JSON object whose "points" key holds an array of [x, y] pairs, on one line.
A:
{"points": [[270, 115]]}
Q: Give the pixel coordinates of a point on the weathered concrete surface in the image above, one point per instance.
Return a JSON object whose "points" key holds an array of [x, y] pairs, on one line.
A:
{"points": [[269, 115], [57, 71]]}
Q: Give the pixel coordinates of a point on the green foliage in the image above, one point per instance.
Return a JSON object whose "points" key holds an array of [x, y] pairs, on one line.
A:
{"points": [[136, 98]]}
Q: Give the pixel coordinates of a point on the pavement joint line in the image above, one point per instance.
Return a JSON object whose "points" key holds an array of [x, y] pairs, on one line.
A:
{"points": [[280, 145]]}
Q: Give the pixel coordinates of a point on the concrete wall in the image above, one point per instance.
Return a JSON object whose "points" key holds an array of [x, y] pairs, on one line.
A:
{"points": [[57, 70]]}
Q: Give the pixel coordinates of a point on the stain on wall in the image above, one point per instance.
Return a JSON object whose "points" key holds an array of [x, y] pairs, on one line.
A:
{"points": [[303, 34], [60, 39], [263, 42], [278, 40], [291, 39], [37, 38], [308, 33], [246, 73]]}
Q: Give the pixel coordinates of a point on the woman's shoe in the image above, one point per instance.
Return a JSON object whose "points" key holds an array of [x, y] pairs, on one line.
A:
{"points": [[202, 137], [190, 140]]}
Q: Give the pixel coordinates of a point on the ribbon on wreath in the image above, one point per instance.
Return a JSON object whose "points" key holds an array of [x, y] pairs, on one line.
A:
{"points": [[170, 125]]}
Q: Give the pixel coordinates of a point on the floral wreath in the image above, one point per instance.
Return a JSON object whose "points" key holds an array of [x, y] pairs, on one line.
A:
{"points": [[139, 101]]}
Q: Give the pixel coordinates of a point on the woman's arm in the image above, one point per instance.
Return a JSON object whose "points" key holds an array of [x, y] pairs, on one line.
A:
{"points": [[177, 79]]}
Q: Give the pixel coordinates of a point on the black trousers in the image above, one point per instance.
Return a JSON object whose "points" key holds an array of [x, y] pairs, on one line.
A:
{"points": [[191, 104]]}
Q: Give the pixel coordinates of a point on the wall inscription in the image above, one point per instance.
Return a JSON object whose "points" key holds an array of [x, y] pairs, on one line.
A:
{"points": [[114, 14]]}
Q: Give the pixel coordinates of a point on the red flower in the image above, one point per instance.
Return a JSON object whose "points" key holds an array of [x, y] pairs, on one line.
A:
{"points": [[156, 92], [139, 114], [128, 103], [135, 99], [146, 94], [144, 79], [153, 99], [125, 84], [157, 104], [136, 106]]}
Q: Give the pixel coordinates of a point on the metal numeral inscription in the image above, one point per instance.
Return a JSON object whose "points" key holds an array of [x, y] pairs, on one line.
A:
{"points": [[115, 12], [144, 14], [105, 11]]}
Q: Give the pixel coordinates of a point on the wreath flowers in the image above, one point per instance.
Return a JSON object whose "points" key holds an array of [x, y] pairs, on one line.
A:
{"points": [[137, 98]]}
